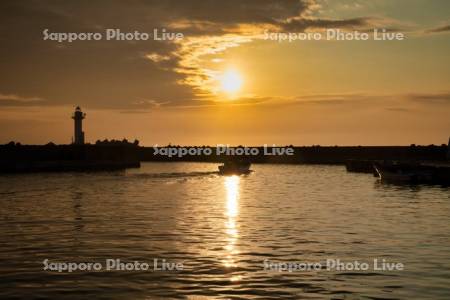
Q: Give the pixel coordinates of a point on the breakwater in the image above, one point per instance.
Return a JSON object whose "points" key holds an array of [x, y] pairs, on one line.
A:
{"points": [[302, 155], [58, 158], [41, 158]]}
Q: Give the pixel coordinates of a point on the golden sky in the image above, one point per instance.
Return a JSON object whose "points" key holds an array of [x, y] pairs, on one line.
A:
{"points": [[224, 82]]}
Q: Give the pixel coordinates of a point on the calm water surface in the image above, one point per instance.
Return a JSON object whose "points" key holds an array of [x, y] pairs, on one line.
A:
{"points": [[222, 229]]}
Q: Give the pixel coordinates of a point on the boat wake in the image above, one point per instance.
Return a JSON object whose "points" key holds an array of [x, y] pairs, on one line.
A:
{"points": [[173, 174]]}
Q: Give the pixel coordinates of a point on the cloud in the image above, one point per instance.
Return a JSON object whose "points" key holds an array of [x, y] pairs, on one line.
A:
{"points": [[191, 52], [376, 99], [398, 109], [392, 102], [237, 11], [149, 103], [16, 100], [301, 24], [113, 74], [431, 98], [19, 98], [440, 29], [313, 100], [155, 57]]}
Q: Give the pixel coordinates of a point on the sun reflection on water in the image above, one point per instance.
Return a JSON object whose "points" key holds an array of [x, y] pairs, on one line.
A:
{"points": [[231, 212]]}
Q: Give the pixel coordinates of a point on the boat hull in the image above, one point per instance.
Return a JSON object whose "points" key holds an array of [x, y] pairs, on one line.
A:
{"points": [[413, 173], [223, 170]]}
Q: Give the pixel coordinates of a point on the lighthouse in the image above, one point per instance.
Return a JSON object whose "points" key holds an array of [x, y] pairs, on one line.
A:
{"points": [[78, 117]]}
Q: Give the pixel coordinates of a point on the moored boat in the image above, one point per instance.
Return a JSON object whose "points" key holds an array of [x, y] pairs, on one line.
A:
{"points": [[414, 173]]}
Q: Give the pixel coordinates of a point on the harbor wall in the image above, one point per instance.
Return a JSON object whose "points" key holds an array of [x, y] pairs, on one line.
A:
{"points": [[318, 154], [38, 158]]}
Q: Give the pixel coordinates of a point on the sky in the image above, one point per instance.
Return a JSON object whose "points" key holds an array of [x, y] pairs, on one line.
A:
{"points": [[225, 82]]}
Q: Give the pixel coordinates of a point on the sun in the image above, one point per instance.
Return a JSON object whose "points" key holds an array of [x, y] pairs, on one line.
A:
{"points": [[231, 81]]}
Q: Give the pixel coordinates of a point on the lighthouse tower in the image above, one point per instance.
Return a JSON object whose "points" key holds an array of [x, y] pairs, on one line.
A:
{"points": [[78, 116]]}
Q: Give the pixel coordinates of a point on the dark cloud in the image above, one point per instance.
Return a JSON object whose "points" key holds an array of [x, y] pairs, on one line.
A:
{"points": [[118, 74], [443, 98], [105, 73], [440, 29], [302, 24], [381, 100], [235, 11]]}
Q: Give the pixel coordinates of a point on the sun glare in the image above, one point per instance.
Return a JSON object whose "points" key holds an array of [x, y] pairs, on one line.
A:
{"points": [[231, 81]]}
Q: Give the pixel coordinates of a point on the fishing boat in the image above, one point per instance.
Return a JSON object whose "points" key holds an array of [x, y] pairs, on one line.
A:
{"points": [[235, 167]]}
